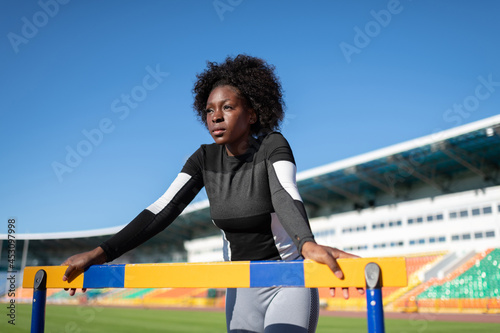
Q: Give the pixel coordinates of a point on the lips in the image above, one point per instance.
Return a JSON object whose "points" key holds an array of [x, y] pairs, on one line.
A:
{"points": [[218, 131]]}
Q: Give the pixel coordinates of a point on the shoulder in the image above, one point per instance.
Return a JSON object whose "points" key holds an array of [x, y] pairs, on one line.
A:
{"points": [[198, 160], [277, 147], [207, 150], [274, 139]]}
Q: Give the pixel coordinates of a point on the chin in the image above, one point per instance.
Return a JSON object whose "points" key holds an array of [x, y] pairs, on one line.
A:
{"points": [[219, 140]]}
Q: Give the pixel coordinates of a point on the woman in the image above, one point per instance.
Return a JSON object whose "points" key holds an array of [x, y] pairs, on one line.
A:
{"points": [[249, 175]]}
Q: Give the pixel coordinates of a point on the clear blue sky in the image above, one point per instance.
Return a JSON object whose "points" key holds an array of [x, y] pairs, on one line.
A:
{"points": [[357, 75]]}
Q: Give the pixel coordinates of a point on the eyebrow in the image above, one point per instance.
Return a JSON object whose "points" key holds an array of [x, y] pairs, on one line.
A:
{"points": [[223, 101]]}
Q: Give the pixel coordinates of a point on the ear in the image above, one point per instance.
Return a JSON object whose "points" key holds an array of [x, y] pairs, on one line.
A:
{"points": [[253, 116]]}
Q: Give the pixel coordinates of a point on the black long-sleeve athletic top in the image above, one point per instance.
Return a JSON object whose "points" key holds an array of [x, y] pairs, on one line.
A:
{"points": [[253, 199]]}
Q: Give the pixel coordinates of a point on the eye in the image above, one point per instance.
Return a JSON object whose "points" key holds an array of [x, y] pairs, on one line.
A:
{"points": [[227, 107], [209, 111]]}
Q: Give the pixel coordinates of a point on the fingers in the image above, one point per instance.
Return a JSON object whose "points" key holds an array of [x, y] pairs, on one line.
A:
{"points": [[70, 273], [72, 291], [329, 255], [345, 293], [331, 261], [67, 273], [325, 255], [68, 276]]}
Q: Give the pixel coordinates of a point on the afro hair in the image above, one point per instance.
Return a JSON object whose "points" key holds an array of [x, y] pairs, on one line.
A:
{"points": [[255, 81]]}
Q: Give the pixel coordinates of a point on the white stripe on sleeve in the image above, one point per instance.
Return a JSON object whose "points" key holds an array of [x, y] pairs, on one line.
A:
{"points": [[175, 187], [285, 171]]}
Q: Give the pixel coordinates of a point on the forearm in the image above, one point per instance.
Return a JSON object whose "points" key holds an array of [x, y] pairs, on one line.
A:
{"points": [[156, 217], [142, 228]]}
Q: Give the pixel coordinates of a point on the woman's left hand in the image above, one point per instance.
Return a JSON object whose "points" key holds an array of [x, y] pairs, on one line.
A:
{"points": [[328, 256]]}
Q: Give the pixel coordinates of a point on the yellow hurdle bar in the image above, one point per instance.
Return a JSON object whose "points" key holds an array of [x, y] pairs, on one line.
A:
{"points": [[236, 274]]}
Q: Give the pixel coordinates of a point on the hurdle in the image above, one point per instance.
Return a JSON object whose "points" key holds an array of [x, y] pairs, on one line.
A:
{"points": [[369, 273]]}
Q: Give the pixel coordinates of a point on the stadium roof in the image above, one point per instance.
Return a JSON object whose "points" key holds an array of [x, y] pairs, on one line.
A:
{"points": [[435, 160]]}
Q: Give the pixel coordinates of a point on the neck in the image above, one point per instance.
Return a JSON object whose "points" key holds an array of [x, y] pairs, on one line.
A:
{"points": [[239, 148], [235, 151]]}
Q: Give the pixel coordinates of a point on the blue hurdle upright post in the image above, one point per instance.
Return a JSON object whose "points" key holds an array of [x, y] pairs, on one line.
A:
{"points": [[39, 300], [374, 305]]}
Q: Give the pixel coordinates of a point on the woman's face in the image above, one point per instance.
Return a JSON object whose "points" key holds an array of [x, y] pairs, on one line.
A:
{"points": [[229, 119]]}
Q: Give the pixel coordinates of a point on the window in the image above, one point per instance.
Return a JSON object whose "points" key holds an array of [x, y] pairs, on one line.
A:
{"points": [[441, 239], [455, 237], [439, 217], [410, 221], [490, 233], [432, 240], [487, 210], [464, 213], [466, 236], [453, 215], [478, 235], [476, 212], [421, 241], [325, 233], [412, 242], [346, 230], [420, 220], [430, 218]]}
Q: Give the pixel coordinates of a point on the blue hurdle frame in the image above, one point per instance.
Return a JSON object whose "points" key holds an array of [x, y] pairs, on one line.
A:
{"points": [[39, 301]]}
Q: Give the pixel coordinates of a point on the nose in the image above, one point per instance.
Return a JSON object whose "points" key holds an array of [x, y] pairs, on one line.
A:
{"points": [[217, 116]]}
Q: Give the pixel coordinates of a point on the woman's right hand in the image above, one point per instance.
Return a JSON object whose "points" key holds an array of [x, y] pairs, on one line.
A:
{"points": [[78, 263]]}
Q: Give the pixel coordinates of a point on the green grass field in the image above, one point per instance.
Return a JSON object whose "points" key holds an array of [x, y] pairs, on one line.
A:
{"points": [[82, 319]]}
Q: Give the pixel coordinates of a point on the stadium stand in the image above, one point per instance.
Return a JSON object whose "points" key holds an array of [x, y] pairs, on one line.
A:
{"points": [[476, 287]]}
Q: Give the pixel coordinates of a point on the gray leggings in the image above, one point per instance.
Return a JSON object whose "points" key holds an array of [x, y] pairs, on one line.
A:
{"points": [[272, 310]]}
